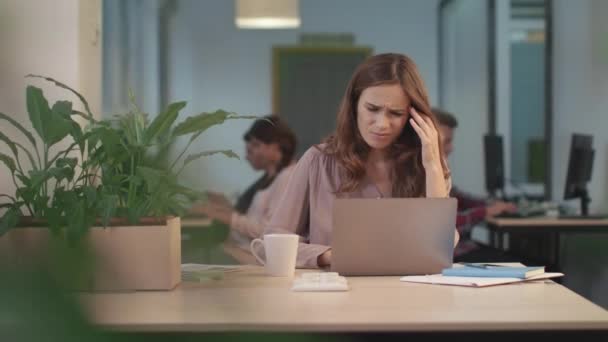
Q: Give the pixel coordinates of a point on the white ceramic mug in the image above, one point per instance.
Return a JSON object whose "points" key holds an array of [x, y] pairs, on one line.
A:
{"points": [[281, 251]]}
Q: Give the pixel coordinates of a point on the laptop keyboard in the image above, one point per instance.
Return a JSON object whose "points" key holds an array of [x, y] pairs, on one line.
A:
{"points": [[319, 282]]}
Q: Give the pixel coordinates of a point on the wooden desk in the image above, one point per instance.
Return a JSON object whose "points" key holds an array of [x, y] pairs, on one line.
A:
{"points": [[549, 224], [554, 227], [250, 301]]}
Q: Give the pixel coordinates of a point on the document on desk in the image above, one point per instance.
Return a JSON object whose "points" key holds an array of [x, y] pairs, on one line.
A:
{"points": [[199, 272], [439, 279], [210, 267]]}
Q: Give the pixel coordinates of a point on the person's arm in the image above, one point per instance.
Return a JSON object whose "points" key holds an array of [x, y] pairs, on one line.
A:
{"points": [[436, 184], [263, 206], [466, 200], [456, 231], [467, 219], [249, 226], [292, 212], [218, 198], [213, 211], [471, 211]]}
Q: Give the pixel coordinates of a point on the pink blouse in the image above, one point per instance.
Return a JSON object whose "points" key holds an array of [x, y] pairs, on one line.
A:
{"points": [[306, 206]]}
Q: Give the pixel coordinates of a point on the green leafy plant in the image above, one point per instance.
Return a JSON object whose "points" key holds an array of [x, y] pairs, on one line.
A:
{"points": [[55, 181], [121, 168], [135, 172]]}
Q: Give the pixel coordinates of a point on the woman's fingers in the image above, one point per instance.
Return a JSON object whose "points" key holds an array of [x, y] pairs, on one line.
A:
{"points": [[419, 120], [427, 123], [421, 133]]}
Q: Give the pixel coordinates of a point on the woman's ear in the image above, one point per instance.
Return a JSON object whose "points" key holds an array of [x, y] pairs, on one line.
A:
{"points": [[276, 151]]}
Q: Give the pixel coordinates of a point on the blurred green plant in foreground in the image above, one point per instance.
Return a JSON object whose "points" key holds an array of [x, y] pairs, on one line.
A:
{"points": [[36, 304]]}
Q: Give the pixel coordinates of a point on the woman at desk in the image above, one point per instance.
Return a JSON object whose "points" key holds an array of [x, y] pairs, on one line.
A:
{"points": [[386, 144], [270, 146]]}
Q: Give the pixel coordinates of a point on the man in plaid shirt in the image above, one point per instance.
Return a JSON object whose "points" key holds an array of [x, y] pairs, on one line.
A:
{"points": [[471, 209]]}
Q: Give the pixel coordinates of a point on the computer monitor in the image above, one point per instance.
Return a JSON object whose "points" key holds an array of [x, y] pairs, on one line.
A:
{"points": [[580, 165], [494, 163]]}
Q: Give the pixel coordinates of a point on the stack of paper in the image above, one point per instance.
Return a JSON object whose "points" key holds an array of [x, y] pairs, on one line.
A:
{"points": [[200, 272], [482, 275], [473, 281]]}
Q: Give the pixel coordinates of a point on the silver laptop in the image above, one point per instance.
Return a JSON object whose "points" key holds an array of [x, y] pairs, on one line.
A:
{"points": [[393, 236]]}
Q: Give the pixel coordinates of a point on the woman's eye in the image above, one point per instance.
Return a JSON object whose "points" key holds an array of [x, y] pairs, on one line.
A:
{"points": [[372, 109]]}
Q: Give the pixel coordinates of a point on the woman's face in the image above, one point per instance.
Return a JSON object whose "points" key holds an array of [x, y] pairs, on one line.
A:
{"points": [[382, 112], [261, 155]]}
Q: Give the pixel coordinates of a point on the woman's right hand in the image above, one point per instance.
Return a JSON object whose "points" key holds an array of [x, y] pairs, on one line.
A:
{"points": [[436, 185], [324, 259], [429, 139]]}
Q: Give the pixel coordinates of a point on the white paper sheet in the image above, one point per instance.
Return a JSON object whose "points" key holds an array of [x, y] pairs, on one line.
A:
{"points": [[438, 279]]}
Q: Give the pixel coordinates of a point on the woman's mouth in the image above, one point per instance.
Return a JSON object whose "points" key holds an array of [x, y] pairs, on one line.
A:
{"points": [[380, 135]]}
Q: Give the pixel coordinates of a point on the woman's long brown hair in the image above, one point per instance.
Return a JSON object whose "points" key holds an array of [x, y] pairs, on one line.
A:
{"points": [[350, 150]]}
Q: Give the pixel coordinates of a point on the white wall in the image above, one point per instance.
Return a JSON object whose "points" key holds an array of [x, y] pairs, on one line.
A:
{"points": [[503, 82], [511, 125], [580, 100], [465, 89], [29, 32], [53, 38], [580, 91], [214, 65], [131, 56]]}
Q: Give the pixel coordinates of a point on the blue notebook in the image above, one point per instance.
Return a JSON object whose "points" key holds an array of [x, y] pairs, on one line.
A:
{"points": [[483, 270]]}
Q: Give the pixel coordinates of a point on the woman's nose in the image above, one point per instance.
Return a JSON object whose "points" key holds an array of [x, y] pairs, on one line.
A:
{"points": [[382, 121]]}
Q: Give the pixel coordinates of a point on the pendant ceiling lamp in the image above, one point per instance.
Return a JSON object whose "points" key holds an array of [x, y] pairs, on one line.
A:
{"points": [[267, 14]]}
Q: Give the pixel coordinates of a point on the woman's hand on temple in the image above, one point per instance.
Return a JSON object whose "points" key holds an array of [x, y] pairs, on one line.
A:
{"points": [[429, 139], [436, 185]]}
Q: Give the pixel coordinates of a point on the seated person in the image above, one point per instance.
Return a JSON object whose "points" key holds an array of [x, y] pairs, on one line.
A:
{"points": [[471, 209], [385, 145], [270, 146]]}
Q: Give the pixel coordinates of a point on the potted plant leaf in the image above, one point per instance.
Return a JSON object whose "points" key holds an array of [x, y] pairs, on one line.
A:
{"points": [[121, 192], [52, 182]]}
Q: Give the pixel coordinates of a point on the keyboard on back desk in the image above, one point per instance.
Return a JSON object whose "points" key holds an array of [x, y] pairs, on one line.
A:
{"points": [[522, 214]]}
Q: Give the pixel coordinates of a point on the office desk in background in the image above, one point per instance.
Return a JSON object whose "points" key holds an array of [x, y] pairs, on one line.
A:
{"points": [[249, 301], [193, 226], [552, 227], [196, 222]]}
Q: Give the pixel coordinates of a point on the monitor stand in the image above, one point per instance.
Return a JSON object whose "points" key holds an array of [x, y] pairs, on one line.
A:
{"points": [[585, 199]]}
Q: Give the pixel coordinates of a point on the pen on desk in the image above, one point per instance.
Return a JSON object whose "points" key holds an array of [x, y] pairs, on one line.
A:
{"points": [[482, 265]]}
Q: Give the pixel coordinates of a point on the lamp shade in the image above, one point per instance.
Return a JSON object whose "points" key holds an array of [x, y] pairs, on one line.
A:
{"points": [[267, 14]]}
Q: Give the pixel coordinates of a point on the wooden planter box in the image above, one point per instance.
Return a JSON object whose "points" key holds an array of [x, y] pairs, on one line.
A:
{"points": [[127, 258]]}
